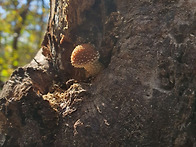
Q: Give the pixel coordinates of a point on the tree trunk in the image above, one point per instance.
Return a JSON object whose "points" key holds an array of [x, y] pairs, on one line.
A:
{"points": [[145, 95], [19, 25]]}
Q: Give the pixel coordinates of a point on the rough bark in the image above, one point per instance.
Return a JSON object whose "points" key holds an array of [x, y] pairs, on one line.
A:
{"points": [[145, 96]]}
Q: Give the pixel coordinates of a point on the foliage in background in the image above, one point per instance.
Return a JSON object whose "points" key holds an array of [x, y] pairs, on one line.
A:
{"points": [[22, 25]]}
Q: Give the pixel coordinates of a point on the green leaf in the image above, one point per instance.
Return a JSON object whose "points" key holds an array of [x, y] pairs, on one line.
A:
{"points": [[1, 61], [15, 63], [4, 73]]}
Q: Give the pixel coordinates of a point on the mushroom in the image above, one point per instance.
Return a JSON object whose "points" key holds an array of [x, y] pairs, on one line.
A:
{"points": [[85, 56]]}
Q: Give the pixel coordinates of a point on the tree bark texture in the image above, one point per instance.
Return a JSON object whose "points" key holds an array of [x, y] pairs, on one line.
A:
{"points": [[145, 96]]}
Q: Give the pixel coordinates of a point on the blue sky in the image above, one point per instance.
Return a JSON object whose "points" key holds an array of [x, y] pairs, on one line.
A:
{"points": [[2, 12], [33, 5]]}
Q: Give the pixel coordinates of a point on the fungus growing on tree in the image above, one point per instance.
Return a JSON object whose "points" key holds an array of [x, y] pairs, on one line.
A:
{"points": [[85, 56]]}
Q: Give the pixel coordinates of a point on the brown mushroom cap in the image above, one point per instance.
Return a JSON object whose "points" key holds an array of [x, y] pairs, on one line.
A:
{"points": [[84, 54]]}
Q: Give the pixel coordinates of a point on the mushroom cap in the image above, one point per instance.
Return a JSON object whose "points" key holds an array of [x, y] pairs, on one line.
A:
{"points": [[84, 54]]}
